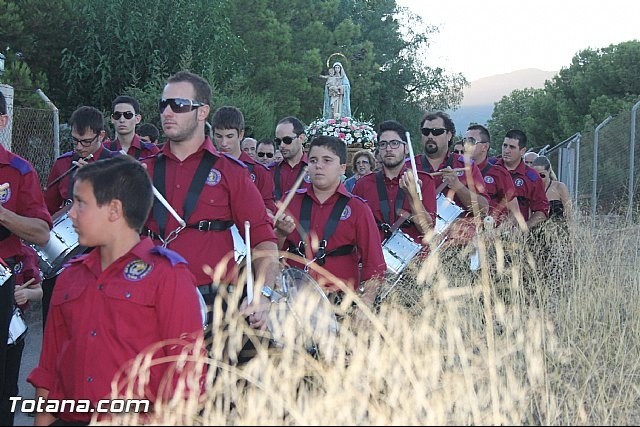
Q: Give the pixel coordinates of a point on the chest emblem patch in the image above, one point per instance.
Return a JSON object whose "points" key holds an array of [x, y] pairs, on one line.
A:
{"points": [[346, 213], [5, 195], [214, 177], [137, 270], [489, 179], [519, 182]]}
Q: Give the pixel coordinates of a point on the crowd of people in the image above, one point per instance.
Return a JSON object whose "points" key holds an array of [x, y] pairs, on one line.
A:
{"points": [[147, 264]]}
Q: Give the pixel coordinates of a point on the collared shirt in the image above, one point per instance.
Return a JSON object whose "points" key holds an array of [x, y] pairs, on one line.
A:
{"points": [[499, 186], [367, 188], [228, 195], [57, 194], [529, 189], [99, 321], [288, 175], [23, 197], [139, 149], [262, 178], [356, 227]]}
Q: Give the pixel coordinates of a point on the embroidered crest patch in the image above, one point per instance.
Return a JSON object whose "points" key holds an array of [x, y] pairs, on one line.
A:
{"points": [[5, 195], [137, 270], [489, 179], [346, 213], [519, 182], [214, 177]]}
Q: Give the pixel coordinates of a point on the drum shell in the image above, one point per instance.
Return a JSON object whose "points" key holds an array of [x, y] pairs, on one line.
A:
{"points": [[398, 251], [63, 245]]}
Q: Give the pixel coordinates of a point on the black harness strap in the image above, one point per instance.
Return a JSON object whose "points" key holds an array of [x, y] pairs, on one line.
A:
{"points": [[160, 213], [384, 203], [426, 166], [276, 180], [486, 168], [329, 229]]}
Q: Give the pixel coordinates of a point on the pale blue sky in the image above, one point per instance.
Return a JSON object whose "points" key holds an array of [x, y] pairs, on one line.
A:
{"points": [[487, 37]]}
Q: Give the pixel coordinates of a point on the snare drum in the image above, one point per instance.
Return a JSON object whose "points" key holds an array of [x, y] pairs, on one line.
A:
{"points": [[446, 213], [398, 251], [204, 310], [17, 327], [5, 274], [301, 314], [63, 244]]}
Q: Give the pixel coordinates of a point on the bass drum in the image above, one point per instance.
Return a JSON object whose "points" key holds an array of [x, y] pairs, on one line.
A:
{"points": [[301, 314]]}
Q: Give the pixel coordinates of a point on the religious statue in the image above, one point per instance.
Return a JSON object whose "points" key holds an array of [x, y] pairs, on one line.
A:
{"points": [[337, 93]]}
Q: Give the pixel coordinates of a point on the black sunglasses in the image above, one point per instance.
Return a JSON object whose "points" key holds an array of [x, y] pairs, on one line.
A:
{"points": [[127, 115], [285, 140], [179, 105], [269, 155], [434, 131], [458, 151]]}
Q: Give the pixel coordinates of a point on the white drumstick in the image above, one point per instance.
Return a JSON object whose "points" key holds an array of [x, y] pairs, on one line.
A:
{"points": [[247, 239], [168, 206], [4, 186], [413, 165]]}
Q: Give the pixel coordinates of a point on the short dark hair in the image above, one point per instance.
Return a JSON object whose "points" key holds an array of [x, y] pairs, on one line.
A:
{"points": [[394, 126], [3, 104], [150, 130], [85, 118], [228, 118], [298, 126], [122, 178], [333, 143], [201, 87], [266, 141], [519, 135], [484, 132], [126, 99], [448, 123]]}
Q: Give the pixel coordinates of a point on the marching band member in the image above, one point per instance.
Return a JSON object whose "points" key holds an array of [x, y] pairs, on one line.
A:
{"points": [[112, 304], [124, 118], [289, 140], [388, 193], [340, 223], [210, 191], [23, 215]]}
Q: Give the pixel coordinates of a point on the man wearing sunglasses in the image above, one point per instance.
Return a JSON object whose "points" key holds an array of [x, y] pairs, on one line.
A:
{"points": [[125, 117], [529, 188], [228, 130], [391, 192], [463, 187], [496, 179], [210, 192], [290, 137], [265, 152]]}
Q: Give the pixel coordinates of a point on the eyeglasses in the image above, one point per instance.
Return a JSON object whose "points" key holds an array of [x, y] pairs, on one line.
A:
{"points": [[179, 105], [458, 151], [269, 155], [434, 131], [362, 162], [469, 140], [127, 115], [285, 139], [84, 142], [394, 143]]}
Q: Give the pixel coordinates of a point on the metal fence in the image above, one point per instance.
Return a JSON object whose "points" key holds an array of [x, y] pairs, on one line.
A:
{"points": [[601, 169]]}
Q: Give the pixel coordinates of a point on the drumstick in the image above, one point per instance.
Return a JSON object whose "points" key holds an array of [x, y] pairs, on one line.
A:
{"points": [[24, 285], [247, 239], [413, 165], [4, 186], [440, 172], [168, 206], [289, 197], [71, 169]]}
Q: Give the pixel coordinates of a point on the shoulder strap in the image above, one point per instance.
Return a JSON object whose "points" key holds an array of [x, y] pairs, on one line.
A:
{"points": [[113, 146], [277, 192], [159, 212], [486, 168], [382, 196]]}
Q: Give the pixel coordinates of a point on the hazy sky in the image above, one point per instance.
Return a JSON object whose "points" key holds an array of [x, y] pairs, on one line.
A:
{"points": [[487, 37]]}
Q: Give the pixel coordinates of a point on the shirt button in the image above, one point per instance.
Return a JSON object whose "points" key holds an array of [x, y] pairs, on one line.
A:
{"points": [[178, 186], [100, 287], [127, 295], [94, 333], [89, 379]]}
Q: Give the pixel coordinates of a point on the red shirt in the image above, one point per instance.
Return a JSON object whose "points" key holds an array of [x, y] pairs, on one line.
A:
{"points": [[462, 230], [262, 178], [499, 187], [26, 268], [367, 188], [100, 320], [288, 176], [228, 195], [529, 189], [356, 227], [139, 149], [56, 195], [23, 197]]}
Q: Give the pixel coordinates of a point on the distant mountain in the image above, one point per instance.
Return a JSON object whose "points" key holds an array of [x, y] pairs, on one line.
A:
{"points": [[480, 95]]}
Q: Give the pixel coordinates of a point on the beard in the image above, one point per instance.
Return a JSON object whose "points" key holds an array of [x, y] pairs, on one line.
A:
{"points": [[430, 148], [392, 163]]}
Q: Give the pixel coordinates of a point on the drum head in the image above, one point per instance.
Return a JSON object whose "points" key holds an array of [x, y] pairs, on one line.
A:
{"points": [[304, 316]]}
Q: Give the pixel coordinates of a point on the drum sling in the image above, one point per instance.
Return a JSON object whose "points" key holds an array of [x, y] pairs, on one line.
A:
{"points": [[276, 180]]}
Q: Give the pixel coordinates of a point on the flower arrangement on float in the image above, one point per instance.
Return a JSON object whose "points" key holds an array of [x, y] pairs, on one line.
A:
{"points": [[354, 133]]}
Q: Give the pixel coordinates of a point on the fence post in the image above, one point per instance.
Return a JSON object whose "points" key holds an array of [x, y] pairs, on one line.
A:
{"points": [[594, 189], [5, 136], [56, 123], [632, 156]]}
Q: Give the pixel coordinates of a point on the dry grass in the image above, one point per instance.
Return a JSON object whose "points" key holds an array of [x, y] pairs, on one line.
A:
{"points": [[555, 349]]}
